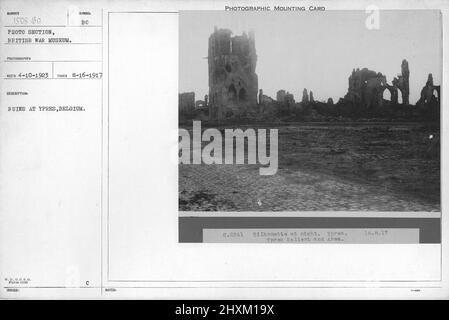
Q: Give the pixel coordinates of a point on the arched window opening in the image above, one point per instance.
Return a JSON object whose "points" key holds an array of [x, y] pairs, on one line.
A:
{"points": [[386, 95], [242, 94], [232, 93]]}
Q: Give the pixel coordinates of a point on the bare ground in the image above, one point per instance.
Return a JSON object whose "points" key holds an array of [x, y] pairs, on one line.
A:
{"points": [[338, 167]]}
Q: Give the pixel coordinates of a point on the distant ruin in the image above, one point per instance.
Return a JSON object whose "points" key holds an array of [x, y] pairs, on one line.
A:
{"points": [[234, 94], [305, 96], [233, 83], [186, 103], [427, 93], [366, 87]]}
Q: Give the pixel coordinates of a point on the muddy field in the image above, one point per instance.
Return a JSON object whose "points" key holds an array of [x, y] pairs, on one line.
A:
{"points": [[342, 166]]}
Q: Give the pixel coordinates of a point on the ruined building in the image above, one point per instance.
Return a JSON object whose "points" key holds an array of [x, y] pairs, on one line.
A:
{"points": [[186, 103], [402, 82], [280, 96], [285, 100], [289, 101], [305, 96], [200, 104], [427, 93], [267, 105], [264, 99], [366, 87], [233, 84]]}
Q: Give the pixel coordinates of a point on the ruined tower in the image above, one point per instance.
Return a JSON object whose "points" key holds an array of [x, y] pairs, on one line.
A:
{"points": [[186, 102], [366, 87], [405, 75], [311, 99], [402, 82], [305, 96], [233, 84], [430, 93]]}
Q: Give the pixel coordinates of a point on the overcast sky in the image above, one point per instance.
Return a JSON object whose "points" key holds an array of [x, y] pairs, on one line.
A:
{"points": [[317, 50]]}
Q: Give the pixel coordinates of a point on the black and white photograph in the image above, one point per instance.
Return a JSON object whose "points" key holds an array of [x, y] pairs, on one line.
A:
{"points": [[340, 108], [223, 150]]}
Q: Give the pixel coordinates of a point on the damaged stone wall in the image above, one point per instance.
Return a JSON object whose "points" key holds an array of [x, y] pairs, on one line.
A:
{"points": [[305, 96], [233, 83], [402, 82], [264, 99], [366, 87], [430, 94], [186, 101], [311, 99]]}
